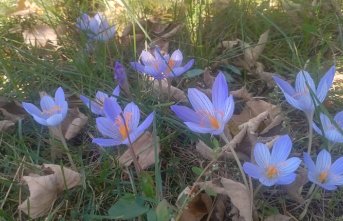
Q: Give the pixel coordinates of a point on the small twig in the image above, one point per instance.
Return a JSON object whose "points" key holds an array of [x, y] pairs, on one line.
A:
{"points": [[310, 132], [66, 148]]}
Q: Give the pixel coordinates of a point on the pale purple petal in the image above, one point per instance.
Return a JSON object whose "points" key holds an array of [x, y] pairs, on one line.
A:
{"points": [[116, 91], [327, 186], [252, 170], [219, 92], [177, 58], [316, 128], [64, 109], [284, 86], [337, 167], [200, 102], [147, 58], [281, 149], [309, 163], [335, 180], [111, 109], [107, 128], [267, 181], [323, 162], [47, 103], [197, 128], [101, 96], [94, 106], [339, 119], [59, 96], [228, 109], [141, 128], [32, 109], [40, 120], [302, 80], [186, 114], [285, 180], [132, 115], [325, 84], [262, 155], [288, 166], [106, 142], [54, 120]]}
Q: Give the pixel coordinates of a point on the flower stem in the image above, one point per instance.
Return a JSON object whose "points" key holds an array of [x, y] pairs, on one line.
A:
{"points": [[236, 158], [66, 148], [310, 133]]}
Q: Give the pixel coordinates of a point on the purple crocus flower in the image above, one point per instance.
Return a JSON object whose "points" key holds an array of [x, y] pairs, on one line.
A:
{"points": [[96, 28], [120, 73], [53, 112], [161, 67], [207, 116], [273, 168], [96, 106], [323, 173], [331, 132], [120, 125], [300, 97]]}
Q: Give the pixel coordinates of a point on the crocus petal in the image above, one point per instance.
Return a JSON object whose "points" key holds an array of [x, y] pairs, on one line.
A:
{"points": [[339, 119], [107, 128], [281, 149], [32, 109], [144, 125], [262, 155], [132, 115], [323, 162], [288, 166], [334, 135], [59, 96], [302, 80], [267, 182], [47, 103], [54, 120], [228, 109], [94, 106], [326, 123], [83, 22], [316, 128], [111, 109], [219, 92], [327, 186], [185, 114], [101, 96], [325, 84], [252, 170], [200, 102], [336, 180], [40, 120], [197, 128], [147, 58], [105, 142], [285, 180], [309, 162], [177, 58], [64, 109], [297, 104], [116, 91], [288, 91], [337, 167]]}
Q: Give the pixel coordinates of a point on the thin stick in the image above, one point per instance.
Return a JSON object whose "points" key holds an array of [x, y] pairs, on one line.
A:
{"points": [[310, 133], [66, 148]]}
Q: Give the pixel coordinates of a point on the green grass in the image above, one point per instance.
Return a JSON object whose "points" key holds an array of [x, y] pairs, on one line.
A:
{"points": [[311, 38]]}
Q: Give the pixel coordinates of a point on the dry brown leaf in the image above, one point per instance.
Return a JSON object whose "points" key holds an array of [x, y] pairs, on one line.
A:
{"points": [[242, 93], [208, 78], [5, 125], [258, 49], [175, 93], [72, 124], [237, 192], [278, 217], [204, 150], [144, 150], [294, 189], [44, 190], [219, 208], [39, 36]]}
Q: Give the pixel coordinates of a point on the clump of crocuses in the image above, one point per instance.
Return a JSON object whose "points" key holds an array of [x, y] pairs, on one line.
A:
{"points": [[159, 66], [53, 110], [96, 28]]}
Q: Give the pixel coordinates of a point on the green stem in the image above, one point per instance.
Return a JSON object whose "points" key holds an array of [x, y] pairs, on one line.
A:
{"points": [[66, 148], [310, 133]]}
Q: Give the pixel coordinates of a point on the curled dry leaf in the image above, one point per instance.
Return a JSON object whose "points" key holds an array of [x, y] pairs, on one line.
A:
{"points": [[242, 93], [11, 112], [199, 206], [294, 189], [208, 78], [204, 150], [144, 150], [5, 125], [72, 125], [278, 217], [40, 35], [44, 190], [237, 192], [173, 92]]}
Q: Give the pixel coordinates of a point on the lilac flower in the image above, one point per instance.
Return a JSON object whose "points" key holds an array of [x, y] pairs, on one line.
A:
{"points": [[207, 116], [114, 126], [96, 106], [96, 28], [120, 73], [161, 67], [273, 168], [323, 173], [54, 110], [330, 131], [300, 97]]}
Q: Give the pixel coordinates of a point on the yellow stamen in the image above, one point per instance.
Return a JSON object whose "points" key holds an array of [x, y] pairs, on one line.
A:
{"points": [[271, 172], [124, 132], [323, 176], [52, 110], [214, 122]]}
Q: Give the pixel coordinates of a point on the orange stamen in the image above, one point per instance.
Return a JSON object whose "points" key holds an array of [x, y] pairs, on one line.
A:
{"points": [[323, 176], [271, 172], [124, 132], [52, 110], [214, 122]]}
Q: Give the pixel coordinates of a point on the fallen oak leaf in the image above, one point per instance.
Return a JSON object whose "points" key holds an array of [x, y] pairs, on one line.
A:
{"points": [[44, 190], [294, 189], [144, 150], [175, 93], [236, 191], [242, 93]]}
